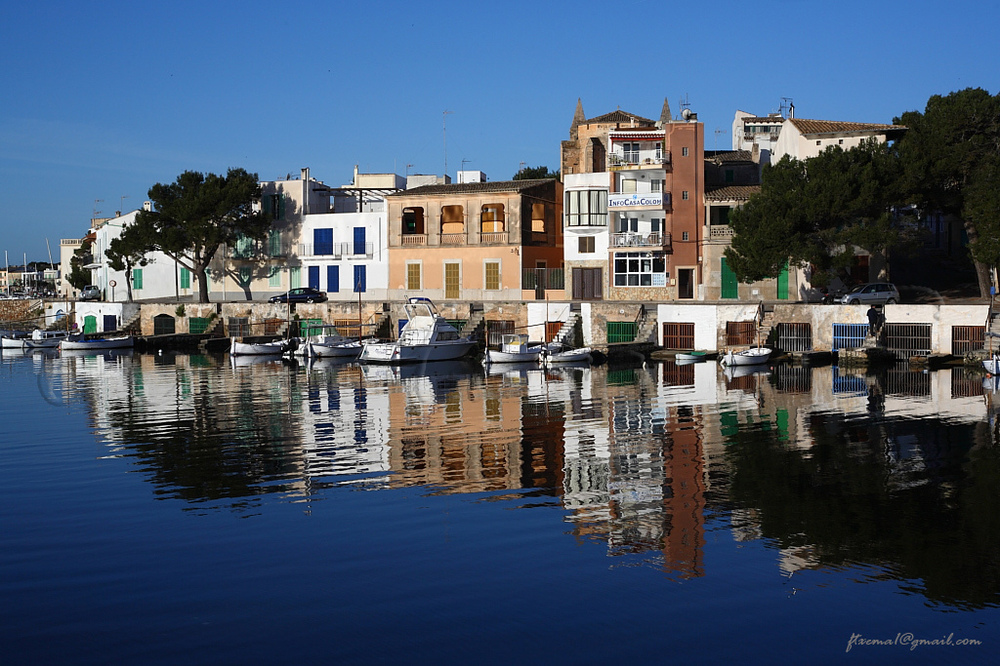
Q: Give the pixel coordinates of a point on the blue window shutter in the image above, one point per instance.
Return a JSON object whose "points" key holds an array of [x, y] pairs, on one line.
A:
{"points": [[360, 279], [333, 278], [359, 240], [322, 241], [314, 277]]}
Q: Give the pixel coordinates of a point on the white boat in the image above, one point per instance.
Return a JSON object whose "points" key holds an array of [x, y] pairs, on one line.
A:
{"points": [[992, 365], [44, 339], [557, 353], [13, 340], [514, 348], [427, 336], [752, 356], [328, 345], [80, 344], [690, 356], [275, 348]]}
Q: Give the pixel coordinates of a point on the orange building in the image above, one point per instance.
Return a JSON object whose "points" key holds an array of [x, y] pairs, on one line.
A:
{"points": [[480, 241]]}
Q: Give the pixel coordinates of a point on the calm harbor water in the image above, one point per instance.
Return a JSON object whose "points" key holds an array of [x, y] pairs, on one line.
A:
{"points": [[185, 509]]}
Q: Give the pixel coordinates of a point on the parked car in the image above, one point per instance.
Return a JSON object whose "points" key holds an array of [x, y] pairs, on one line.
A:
{"points": [[90, 293], [300, 295], [873, 293]]}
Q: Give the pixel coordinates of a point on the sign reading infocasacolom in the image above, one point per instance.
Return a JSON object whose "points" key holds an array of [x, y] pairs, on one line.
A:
{"points": [[635, 199]]}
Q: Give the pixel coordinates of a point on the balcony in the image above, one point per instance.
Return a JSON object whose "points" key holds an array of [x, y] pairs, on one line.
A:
{"points": [[453, 239], [413, 240], [720, 232], [493, 238], [335, 250], [635, 160], [630, 239]]}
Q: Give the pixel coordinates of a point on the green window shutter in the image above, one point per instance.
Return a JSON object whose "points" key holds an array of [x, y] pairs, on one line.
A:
{"points": [[295, 277], [783, 283], [274, 279], [137, 278], [281, 206], [185, 278]]}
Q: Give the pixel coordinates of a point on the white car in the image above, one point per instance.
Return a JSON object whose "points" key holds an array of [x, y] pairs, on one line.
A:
{"points": [[873, 293]]}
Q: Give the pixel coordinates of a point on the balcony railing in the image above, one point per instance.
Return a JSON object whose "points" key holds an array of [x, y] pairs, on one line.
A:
{"points": [[722, 232], [547, 278], [629, 239], [335, 250], [410, 240], [493, 238], [632, 158], [453, 239]]}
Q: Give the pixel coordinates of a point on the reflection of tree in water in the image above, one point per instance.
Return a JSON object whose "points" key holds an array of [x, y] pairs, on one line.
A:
{"points": [[210, 449], [916, 498]]}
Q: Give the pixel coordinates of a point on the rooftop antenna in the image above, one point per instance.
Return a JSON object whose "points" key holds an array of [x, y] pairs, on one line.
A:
{"points": [[787, 109], [97, 212], [685, 104], [444, 136], [408, 170]]}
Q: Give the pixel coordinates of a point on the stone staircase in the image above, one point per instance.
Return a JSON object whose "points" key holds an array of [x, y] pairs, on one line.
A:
{"points": [[767, 327], [566, 332], [474, 326], [132, 324], [646, 332]]}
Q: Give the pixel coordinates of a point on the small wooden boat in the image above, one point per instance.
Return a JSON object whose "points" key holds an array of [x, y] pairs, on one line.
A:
{"points": [[690, 356], [514, 348], [12, 339], [81, 344], [555, 353], [752, 356], [40, 339], [275, 348], [332, 349]]}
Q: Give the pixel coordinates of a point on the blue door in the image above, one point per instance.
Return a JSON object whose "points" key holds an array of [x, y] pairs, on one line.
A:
{"points": [[360, 279], [314, 277], [359, 240], [333, 278]]}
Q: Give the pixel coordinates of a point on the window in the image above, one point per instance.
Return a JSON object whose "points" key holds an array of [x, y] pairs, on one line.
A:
{"points": [[640, 269], [658, 151], [333, 278], [452, 219], [586, 208], [538, 217], [274, 278], [274, 205], [684, 236], [628, 185], [274, 243], [413, 276], [656, 225], [492, 275], [626, 224], [684, 151], [137, 278], [452, 280], [631, 153], [587, 245], [413, 221], [360, 246], [360, 279], [656, 185], [491, 219], [840, 142], [295, 277], [323, 241], [684, 195], [817, 142], [185, 278]]}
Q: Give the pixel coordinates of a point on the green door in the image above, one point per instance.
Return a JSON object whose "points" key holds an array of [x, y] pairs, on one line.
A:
{"points": [[90, 324], [783, 283], [730, 287]]}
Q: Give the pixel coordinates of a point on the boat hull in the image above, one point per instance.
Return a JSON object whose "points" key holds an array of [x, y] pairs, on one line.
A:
{"points": [[530, 355], [992, 365], [394, 352], [579, 355], [276, 348], [125, 342], [339, 350]]}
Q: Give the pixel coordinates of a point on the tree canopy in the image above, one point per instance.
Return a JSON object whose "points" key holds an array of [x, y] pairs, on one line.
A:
{"points": [[128, 250], [198, 213], [816, 212], [951, 164], [530, 173]]}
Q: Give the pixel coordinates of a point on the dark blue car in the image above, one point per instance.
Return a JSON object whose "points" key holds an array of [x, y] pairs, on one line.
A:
{"points": [[300, 295]]}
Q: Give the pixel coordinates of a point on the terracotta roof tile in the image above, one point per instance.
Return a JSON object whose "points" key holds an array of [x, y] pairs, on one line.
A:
{"points": [[837, 127], [731, 192], [728, 156], [619, 116]]}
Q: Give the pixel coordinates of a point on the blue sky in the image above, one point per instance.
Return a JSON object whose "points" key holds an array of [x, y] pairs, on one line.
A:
{"points": [[102, 100]]}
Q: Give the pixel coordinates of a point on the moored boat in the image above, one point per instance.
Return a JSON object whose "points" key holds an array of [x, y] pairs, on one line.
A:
{"points": [[752, 356], [80, 344], [12, 340], [690, 356], [992, 365], [556, 353], [275, 348], [40, 339], [514, 348], [427, 336]]}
